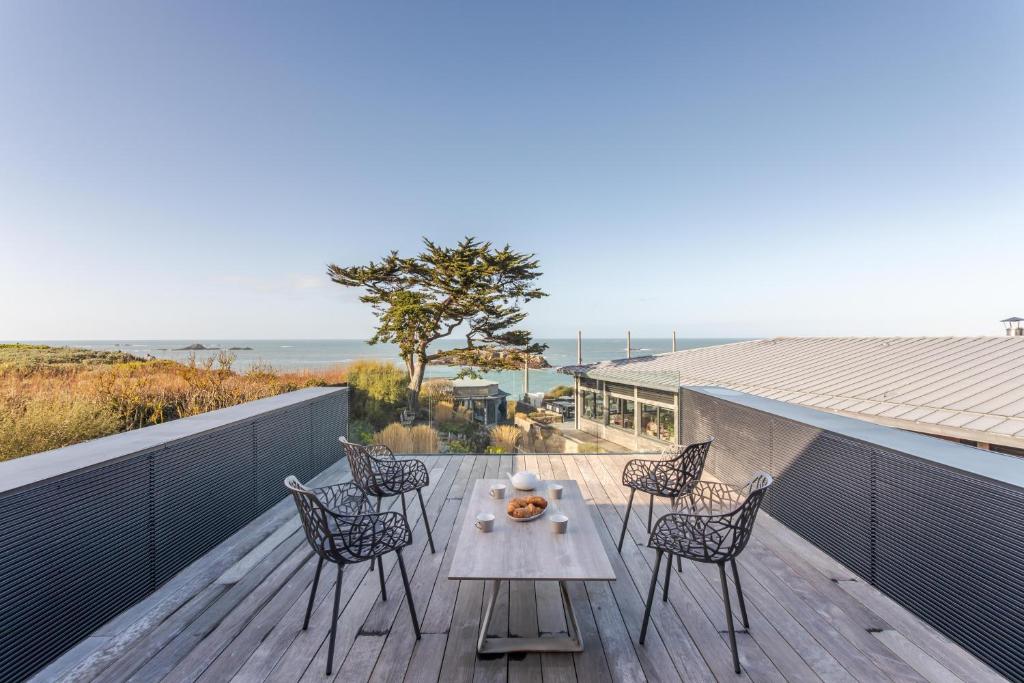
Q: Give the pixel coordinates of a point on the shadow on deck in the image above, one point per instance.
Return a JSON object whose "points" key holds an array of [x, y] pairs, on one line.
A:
{"points": [[236, 614]]}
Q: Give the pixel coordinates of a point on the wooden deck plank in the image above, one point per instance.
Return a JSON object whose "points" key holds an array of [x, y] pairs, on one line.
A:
{"points": [[686, 658], [810, 618], [701, 634], [522, 617], [704, 583], [494, 669], [367, 597], [191, 637]]}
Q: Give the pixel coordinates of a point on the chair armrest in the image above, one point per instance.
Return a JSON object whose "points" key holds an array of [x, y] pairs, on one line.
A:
{"points": [[393, 474], [712, 499], [664, 474], [343, 499], [369, 535], [637, 468], [380, 452]]}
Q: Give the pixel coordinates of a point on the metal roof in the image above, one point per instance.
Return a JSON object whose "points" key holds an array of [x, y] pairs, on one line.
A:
{"points": [[965, 387]]}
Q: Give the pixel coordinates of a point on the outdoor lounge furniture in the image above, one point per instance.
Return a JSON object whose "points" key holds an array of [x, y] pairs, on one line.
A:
{"points": [[712, 524], [665, 478], [529, 551], [343, 529], [376, 471]]}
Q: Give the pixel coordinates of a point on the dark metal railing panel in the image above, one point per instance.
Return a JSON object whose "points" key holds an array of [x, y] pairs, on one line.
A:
{"points": [[283, 447], [830, 475], [956, 539], [203, 491], [944, 542], [78, 547], [331, 419], [74, 553]]}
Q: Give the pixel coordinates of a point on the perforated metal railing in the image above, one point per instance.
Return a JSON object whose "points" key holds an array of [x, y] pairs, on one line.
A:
{"points": [[78, 545], [944, 541]]}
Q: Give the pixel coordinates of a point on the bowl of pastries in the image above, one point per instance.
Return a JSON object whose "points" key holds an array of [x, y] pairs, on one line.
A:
{"points": [[526, 508]]}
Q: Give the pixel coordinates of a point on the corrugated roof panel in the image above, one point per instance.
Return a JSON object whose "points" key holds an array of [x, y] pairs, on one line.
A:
{"points": [[1009, 427], [917, 413], [879, 407], [946, 381], [985, 422], [937, 416], [959, 419]]}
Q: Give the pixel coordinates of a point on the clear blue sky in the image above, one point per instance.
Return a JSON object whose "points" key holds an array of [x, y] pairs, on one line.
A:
{"points": [[721, 168]]}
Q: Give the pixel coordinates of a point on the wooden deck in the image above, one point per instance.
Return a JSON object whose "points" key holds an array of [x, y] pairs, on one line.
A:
{"points": [[236, 614]]}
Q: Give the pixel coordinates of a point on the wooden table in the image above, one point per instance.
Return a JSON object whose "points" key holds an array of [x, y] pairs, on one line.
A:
{"points": [[529, 551]]}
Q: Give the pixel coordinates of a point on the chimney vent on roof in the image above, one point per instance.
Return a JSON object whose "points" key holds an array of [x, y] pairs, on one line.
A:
{"points": [[1012, 326]]}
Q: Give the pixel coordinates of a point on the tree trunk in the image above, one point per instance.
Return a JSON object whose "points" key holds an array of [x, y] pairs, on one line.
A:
{"points": [[419, 366]]}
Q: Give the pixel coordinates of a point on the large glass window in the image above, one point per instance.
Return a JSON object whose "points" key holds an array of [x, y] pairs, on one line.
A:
{"points": [[621, 412], [592, 405], [657, 422]]}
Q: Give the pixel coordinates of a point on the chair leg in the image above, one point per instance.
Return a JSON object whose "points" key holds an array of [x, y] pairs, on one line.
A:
{"points": [[739, 594], [650, 595], [625, 520], [405, 513], [728, 617], [650, 514], [312, 592], [380, 573], [334, 622], [668, 575], [373, 560], [679, 563], [408, 595], [426, 522]]}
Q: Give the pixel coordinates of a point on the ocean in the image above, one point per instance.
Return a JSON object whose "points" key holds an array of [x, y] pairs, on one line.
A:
{"points": [[307, 354]]}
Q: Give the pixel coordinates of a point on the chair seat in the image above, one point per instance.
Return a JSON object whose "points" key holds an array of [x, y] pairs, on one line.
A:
{"points": [[650, 483], [366, 541]]}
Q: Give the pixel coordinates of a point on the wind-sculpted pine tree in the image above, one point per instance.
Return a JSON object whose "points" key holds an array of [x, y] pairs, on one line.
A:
{"points": [[472, 289]]}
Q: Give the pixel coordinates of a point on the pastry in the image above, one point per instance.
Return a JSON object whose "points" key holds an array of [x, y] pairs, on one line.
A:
{"points": [[524, 508]]}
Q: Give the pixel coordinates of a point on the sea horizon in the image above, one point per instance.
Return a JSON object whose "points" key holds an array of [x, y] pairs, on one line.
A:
{"points": [[289, 355]]}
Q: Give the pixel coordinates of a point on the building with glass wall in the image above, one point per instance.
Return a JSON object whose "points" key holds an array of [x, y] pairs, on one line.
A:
{"points": [[964, 389]]}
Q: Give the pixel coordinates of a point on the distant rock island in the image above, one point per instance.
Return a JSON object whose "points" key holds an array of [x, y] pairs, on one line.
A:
{"points": [[200, 347]]}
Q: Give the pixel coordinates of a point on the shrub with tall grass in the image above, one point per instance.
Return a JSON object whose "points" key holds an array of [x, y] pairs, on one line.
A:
{"points": [[445, 413], [507, 437], [401, 439]]}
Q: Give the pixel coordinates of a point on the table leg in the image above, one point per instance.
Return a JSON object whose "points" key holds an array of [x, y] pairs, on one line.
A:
{"points": [[573, 642]]}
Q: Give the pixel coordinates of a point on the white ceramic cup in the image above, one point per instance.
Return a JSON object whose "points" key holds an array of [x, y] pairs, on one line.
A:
{"points": [[555, 491], [485, 522], [498, 491], [559, 523]]}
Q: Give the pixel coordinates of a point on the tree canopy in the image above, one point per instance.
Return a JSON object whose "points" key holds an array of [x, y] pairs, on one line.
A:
{"points": [[473, 289]]}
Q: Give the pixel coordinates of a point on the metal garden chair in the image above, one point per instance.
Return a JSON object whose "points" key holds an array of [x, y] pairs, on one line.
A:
{"points": [[712, 524], [342, 528], [669, 478], [379, 474]]}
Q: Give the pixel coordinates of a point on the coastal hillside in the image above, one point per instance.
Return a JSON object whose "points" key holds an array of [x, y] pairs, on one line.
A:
{"points": [[56, 396]]}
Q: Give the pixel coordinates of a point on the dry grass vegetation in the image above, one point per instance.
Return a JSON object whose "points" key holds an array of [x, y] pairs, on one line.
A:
{"points": [[400, 439], [52, 397]]}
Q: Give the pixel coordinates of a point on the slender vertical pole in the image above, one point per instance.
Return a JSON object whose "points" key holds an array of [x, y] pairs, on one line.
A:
{"points": [[629, 345], [579, 347], [673, 341], [526, 374]]}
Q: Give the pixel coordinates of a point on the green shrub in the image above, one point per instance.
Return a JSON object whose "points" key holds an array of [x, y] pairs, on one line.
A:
{"points": [[360, 431], [378, 391]]}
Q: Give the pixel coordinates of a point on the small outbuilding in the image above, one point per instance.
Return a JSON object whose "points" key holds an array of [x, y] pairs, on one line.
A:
{"points": [[484, 399]]}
